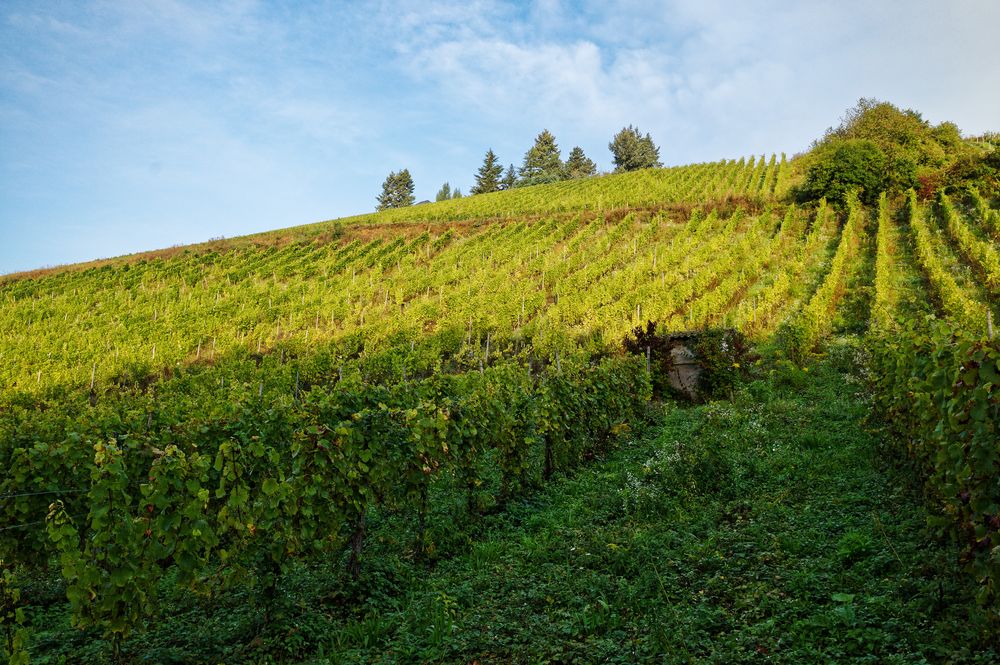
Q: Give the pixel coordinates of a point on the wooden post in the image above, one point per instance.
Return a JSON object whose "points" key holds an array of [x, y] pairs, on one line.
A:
{"points": [[648, 351]]}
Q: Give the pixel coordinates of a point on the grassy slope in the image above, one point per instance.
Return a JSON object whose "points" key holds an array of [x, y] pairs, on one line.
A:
{"points": [[766, 527], [769, 529]]}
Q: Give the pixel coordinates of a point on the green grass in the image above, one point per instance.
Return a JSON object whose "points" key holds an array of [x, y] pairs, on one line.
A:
{"points": [[773, 528]]}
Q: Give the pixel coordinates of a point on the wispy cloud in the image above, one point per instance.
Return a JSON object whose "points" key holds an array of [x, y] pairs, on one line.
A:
{"points": [[711, 78]]}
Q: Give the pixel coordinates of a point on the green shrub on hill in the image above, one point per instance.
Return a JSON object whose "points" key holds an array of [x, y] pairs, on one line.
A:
{"points": [[846, 166], [877, 147]]}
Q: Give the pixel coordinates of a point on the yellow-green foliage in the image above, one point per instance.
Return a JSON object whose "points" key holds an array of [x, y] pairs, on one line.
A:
{"points": [[956, 304], [582, 276]]}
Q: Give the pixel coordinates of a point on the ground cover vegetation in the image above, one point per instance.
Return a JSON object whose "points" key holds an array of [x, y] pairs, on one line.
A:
{"points": [[446, 433]]}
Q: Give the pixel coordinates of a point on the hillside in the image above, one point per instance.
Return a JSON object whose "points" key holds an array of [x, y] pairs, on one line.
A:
{"points": [[407, 275], [389, 438]]}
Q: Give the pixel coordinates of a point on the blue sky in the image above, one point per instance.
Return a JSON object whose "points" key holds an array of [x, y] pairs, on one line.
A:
{"points": [[140, 124]]}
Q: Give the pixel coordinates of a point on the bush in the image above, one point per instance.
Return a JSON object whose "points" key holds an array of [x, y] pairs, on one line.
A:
{"points": [[934, 387], [852, 165], [880, 147]]}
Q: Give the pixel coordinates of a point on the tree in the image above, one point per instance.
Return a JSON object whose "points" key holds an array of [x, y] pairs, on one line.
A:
{"points": [[488, 175], [444, 193], [844, 166], [509, 180], [578, 165], [633, 151], [456, 193], [397, 191], [542, 162], [878, 146]]}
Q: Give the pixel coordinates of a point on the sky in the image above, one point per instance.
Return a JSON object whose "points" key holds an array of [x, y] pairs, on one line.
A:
{"points": [[141, 124]]}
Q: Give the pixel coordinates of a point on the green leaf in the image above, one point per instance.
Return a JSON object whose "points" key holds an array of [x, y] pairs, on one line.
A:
{"points": [[120, 576]]}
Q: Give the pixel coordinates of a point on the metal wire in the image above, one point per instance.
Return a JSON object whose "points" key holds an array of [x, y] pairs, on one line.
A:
{"points": [[21, 526], [26, 524], [14, 496]]}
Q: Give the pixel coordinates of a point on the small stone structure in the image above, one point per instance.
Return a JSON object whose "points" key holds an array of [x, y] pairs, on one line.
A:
{"points": [[685, 371]]}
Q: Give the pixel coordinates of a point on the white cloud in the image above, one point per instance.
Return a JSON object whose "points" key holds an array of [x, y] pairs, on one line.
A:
{"points": [[712, 78]]}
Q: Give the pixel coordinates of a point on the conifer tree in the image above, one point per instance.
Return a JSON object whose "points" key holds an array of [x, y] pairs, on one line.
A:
{"points": [[456, 193], [633, 151], [488, 176], [542, 163], [397, 191], [444, 193], [509, 180], [578, 165]]}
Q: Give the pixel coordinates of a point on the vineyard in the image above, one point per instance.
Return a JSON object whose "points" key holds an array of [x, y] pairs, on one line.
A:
{"points": [[180, 424]]}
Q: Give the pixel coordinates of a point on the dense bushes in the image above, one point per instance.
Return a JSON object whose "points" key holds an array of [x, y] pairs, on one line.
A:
{"points": [[879, 147], [852, 165], [936, 388], [241, 490]]}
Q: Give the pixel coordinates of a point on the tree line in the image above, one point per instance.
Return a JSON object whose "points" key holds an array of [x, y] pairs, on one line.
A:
{"points": [[542, 163]]}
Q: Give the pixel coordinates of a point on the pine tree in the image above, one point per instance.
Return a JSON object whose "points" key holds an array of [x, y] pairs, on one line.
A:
{"points": [[444, 193], [397, 191], [488, 176], [542, 162], [633, 151], [578, 165], [509, 180], [456, 193]]}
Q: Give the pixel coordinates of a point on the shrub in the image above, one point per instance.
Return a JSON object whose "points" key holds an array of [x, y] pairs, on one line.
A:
{"points": [[852, 165]]}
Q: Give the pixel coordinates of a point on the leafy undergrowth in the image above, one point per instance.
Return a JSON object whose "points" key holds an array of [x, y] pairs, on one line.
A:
{"points": [[772, 528]]}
